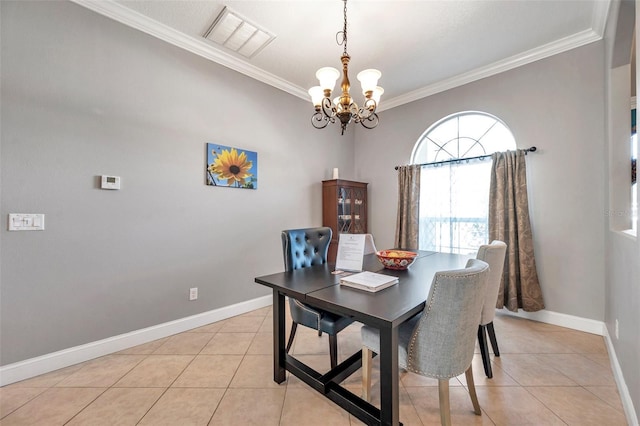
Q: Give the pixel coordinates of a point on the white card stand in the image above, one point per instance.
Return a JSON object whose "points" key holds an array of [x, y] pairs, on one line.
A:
{"points": [[350, 252]]}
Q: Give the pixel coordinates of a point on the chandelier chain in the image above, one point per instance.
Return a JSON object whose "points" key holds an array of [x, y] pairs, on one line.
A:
{"points": [[341, 36]]}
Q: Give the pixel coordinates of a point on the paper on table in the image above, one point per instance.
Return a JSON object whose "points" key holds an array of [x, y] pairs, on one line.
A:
{"points": [[369, 281], [350, 252]]}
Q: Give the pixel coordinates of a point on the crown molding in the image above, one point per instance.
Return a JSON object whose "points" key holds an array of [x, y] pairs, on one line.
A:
{"points": [[598, 26], [550, 49], [136, 20], [600, 16]]}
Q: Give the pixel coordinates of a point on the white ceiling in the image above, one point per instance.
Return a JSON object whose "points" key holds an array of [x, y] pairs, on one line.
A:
{"points": [[421, 46]]}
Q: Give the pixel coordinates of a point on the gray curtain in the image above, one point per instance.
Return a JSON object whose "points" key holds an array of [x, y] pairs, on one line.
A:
{"points": [[407, 223], [509, 222]]}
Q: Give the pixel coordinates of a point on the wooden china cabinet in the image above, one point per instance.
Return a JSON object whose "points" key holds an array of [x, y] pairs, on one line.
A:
{"points": [[344, 210]]}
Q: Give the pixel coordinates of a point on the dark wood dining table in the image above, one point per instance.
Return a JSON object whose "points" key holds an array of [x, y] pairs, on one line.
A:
{"points": [[384, 310]]}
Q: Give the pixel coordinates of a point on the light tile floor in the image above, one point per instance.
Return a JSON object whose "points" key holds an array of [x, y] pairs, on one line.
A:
{"points": [[221, 374]]}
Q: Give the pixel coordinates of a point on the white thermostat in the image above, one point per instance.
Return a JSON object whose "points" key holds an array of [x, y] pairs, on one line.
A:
{"points": [[110, 182]]}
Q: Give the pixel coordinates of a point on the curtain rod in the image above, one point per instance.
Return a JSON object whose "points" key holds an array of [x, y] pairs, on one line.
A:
{"points": [[458, 160]]}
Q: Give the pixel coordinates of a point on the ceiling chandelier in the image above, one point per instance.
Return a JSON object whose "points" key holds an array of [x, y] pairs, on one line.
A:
{"points": [[343, 107]]}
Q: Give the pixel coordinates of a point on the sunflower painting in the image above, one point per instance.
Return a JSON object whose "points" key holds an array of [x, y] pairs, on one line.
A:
{"points": [[232, 167]]}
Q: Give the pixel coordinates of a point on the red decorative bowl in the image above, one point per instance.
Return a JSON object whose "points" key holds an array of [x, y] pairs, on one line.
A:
{"points": [[396, 259]]}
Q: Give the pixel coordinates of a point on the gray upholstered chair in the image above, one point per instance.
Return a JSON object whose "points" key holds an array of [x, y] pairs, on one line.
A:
{"points": [[303, 248], [493, 254], [369, 245], [439, 342]]}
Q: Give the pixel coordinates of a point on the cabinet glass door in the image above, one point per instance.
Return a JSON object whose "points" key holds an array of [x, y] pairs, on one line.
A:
{"points": [[351, 217]]}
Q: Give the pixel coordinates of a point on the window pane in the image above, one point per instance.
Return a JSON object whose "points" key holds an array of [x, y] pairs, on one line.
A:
{"points": [[476, 125], [453, 207], [463, 135], [454, 199]]}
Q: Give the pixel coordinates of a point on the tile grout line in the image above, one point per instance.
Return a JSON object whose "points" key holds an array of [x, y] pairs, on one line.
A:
{"points": [[166, 389], [228, 386], [545, 405], [106, 388]]}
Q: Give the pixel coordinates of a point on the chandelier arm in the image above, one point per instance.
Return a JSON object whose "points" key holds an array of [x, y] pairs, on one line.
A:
{"points": [[370, 105], [370, 122], [319, 120], [368, 109], [328, 109], [354, 110]]}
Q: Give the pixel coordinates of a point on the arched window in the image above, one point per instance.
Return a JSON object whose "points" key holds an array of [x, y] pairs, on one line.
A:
{"points": [[454, 196]]}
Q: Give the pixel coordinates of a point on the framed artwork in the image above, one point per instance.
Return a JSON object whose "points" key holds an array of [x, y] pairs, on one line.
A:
{"points": [[231, 167]]}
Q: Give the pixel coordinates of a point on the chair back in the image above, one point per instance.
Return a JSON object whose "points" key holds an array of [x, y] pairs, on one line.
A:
{"points": [[305, 247], [442, 343], [369, 245], [493, 254]]}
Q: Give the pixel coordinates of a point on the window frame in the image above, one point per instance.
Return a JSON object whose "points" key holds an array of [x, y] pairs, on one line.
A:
{"points": [[420, 153]]}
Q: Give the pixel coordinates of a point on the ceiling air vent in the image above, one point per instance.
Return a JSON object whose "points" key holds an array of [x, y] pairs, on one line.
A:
{"points": [[234, 32]]}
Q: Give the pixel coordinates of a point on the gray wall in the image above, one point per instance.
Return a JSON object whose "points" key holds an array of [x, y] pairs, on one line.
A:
{"points": [[83, 96], [622, 289], [557, 105]]}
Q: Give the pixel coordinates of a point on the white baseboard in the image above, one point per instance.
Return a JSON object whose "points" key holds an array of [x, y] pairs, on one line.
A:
{"points": [[32, 367], [563, 320], [623, 390]]}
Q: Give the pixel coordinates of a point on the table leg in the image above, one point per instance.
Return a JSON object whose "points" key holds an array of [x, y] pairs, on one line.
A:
{"points": [[389, 377], [279, 370]]}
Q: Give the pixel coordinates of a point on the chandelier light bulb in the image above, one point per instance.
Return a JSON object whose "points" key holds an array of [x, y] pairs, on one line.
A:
{"points": [[369, 79], [377, 93], [327, 77], [316, 94]]}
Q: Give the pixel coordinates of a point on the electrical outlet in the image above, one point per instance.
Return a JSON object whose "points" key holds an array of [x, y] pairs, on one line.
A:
{"points": [[193, 293], [617, 330]]}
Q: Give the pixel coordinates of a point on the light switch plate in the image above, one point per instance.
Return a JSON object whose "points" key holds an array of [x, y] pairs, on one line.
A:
{"points": [[26, 222]]}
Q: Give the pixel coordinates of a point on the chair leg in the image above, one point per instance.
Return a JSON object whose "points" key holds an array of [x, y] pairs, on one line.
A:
{"points": [[367, 359], [333, 350], [443, 396], [484, 351], [294, 327], [492, 337], [472, 391], [319, 333]]}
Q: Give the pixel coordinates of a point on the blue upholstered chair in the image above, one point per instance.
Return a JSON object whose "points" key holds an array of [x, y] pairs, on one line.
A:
{"points": [[303, 248], [439, 342], [493, 254]]}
